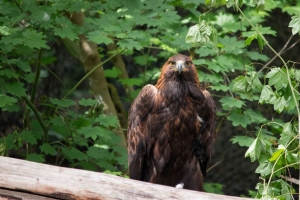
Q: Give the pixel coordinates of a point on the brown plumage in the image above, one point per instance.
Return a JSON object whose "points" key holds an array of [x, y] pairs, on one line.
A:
{"points": [[171, 128]]}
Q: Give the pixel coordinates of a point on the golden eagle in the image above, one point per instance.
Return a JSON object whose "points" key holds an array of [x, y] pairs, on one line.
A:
{"points": [[171, 128]]}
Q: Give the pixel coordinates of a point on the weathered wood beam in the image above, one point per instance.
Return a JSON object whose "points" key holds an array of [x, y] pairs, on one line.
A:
{"points": [[14, 195], [67, 183]]}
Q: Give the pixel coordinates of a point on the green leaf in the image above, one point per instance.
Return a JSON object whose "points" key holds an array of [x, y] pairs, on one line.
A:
{"points": [[231, 102], [297, 75], [130, 44], [96, 153], [59, 128], [28, 137], [64, 103], [254, 150], [95, 132], [264, 169], [279, 103], [65, 33], [99, 37], [3, 147], [107, 121], [25, 66], [145, 59], [73, 154], [112, 73], [238, 118], [278, 78], [4, 30], [250, 39], [261, 42], [48, 149], [253, 82], [223, 88], [266, 94], [276, 154], [9, 73], [215, 3], [261, 30], [11, 108], [255, 116], [201, 34], [295, 24], [65, 29], [243, 141], [287, 134], [253, 55], [87, 102], [260, 5], [239, 84], [33, 39], [35, 157], [16, 88], [231, 45], [215, 188], [131, 81], [113, 173], [81, 121]]}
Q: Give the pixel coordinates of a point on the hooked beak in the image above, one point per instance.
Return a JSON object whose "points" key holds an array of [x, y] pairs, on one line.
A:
{"points": [[180, 66]]}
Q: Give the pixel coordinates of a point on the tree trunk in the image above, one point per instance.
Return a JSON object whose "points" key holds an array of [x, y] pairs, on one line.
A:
{"points": [[90, 58]]}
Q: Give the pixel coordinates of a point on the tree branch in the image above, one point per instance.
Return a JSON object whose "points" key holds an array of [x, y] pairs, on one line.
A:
{"points": [[39, 118]]}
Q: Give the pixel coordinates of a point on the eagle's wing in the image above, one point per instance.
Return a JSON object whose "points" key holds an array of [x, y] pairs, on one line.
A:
{"points": [[204, 143], [138, 134]]}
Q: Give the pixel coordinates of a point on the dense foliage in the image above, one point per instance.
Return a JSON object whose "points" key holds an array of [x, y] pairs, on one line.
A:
{"points": [[227, 40]]}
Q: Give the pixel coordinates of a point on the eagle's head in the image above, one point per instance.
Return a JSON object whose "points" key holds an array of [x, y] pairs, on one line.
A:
{"points": [[179, 67], [179, 63]]}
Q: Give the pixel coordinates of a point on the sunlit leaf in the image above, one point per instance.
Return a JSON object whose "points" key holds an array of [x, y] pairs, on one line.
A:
{"points": [[276, 154], [260, 5], [295, 24], [266, 94], [254, 150]]}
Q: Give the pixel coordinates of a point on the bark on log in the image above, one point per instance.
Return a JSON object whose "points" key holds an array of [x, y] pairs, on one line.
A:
{"points": [[14, 195], [66, 183]]}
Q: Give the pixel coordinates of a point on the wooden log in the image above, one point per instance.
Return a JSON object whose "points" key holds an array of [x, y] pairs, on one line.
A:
{"points": [[66, 183], [14, 195]]}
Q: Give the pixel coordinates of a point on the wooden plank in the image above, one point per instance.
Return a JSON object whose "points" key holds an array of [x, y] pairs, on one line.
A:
{"points": [[66, 183]]}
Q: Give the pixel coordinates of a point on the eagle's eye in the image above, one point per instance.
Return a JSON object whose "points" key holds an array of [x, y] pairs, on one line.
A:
{"points": [[172, 63], [188, 63]]}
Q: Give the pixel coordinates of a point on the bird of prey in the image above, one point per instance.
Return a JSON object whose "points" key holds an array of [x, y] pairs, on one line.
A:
{"points": [[171, 128]]}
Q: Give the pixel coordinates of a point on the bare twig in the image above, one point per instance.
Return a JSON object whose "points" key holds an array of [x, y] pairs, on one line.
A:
{"points": [[276, 55], [293, 180]]}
